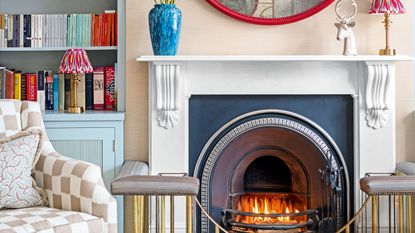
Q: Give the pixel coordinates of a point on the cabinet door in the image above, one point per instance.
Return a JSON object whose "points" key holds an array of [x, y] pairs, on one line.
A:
{"points": [[94, 145]]}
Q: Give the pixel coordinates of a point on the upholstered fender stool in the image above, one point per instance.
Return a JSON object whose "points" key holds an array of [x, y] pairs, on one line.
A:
{"points": [[400, 189], [132, 180]]}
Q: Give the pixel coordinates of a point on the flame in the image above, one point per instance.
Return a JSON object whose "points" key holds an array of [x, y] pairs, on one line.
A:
{"points": [[269, 204]]}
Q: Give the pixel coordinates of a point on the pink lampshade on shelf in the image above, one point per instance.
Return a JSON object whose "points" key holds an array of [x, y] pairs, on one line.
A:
{"points": [[75, 61], [386, 6]]}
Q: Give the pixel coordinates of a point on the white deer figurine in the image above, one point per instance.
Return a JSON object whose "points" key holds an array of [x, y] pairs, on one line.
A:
{"points": [[345, 32]]}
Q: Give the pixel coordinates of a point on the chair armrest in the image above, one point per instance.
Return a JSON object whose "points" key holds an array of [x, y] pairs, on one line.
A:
{"points": [[76, 185]]}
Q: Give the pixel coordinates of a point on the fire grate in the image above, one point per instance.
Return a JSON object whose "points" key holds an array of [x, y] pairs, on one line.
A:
{"points": [[229, 221]]}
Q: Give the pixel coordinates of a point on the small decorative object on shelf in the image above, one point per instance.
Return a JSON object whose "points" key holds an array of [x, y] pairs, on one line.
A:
{"points": [[165, 21], [344, 27], [387, 7], [75, 62]]}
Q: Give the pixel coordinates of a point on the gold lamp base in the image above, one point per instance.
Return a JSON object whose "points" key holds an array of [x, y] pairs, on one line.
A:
{"points": [[75, 110], [387, 52]]}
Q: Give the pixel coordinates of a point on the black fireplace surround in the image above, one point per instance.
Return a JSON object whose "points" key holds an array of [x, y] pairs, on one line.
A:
{"points": [[298, 146]]}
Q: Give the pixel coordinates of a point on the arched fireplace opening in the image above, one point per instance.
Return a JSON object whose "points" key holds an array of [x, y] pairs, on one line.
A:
{"points": [[268, 171]]}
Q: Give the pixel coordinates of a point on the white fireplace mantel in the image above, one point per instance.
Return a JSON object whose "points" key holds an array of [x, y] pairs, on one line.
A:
{"points": [[378, 94], [368, 79]]}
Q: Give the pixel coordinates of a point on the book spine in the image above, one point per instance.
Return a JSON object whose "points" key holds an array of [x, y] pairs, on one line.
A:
{"points": [[67, 91], [23, 86], [89, 91], [98, 77], [55, 92], [9, 85], [21, 31], [109, 87], [41, 89], [17, 85], [31, 87], [80, 92], [2, 82], [49, 93], [61, 92]]}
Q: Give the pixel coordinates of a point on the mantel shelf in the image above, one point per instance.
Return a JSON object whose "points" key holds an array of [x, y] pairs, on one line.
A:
{"points": [[271, 58]]}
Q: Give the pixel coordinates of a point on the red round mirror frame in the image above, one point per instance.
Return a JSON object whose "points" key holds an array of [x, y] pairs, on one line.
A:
{"points": [[271, 21]]}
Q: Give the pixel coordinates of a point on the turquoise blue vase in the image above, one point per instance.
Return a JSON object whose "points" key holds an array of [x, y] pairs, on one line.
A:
{"points": [[165, 22]]}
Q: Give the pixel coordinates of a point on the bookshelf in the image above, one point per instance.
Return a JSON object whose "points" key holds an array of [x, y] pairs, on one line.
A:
{"points": [[93, 136]]}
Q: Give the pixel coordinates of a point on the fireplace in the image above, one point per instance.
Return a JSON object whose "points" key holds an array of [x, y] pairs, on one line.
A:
{"points": [[363, 134], [272, 169]]}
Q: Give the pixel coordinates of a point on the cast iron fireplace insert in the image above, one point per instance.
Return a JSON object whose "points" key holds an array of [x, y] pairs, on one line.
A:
{"points": [[274, 171]]}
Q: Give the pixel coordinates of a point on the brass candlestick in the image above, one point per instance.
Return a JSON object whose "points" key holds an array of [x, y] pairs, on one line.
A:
{"points": [[387, 50], [74, 108]]}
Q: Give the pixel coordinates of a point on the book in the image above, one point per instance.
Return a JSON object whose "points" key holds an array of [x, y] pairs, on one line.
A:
{"points": [[49, 93], [23, 87], [109, 87], [17, 85], [31, 87], [80, 92], [2, 83], [9, 85], [67, 91], [98, 77], [55, 92], [89, 91], [41, 89], [61, 96]]}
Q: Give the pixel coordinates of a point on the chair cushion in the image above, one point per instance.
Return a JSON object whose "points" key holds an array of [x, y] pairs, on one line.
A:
{"points": [[155, 185], [18, 154], [45, 220], [388, 185], [406, 168]]}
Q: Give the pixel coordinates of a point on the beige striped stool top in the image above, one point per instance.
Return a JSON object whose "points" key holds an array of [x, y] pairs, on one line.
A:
{"points": [[388, 185], [132, 180]]}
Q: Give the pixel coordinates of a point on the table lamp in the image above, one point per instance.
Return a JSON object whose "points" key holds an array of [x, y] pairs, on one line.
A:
{"points": [[387, 7], [75, 62]]}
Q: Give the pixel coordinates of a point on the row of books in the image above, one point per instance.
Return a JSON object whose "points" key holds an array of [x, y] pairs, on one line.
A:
{"points": [[58, 30], [95, 91]]}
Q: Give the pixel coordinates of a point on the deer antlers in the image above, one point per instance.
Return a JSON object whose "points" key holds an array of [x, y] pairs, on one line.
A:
{"points": [[343, 18]]}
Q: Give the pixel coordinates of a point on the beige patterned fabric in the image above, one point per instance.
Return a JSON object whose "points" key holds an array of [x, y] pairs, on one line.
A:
{"points": [[10, 123], [18, 154], [70, 184], [48, 220]]}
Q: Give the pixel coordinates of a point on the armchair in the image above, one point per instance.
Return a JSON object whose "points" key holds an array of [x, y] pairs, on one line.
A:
{"points": [[77, 198]]}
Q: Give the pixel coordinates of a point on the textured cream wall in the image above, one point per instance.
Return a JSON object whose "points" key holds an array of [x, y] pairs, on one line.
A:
{"points": [[206, 31]]}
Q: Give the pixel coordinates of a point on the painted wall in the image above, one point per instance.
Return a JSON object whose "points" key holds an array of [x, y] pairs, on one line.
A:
{"points": [[206, 31]]}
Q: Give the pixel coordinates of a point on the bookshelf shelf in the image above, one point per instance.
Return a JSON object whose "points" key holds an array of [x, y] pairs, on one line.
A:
{"points": [[89, 115], [89, 48]]}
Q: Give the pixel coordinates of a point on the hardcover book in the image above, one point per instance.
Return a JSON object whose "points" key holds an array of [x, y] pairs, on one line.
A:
{"points": [[80, 92], [61, 92], [49, 93], [31, 87], [17, 85], [23, 87], [98, 88], [109, 87], [89, 91], [67, 91], [55, 92], [9, 85]]}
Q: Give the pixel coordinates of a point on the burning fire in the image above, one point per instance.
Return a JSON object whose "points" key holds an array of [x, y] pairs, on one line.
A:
{"points": [[269, 204]]}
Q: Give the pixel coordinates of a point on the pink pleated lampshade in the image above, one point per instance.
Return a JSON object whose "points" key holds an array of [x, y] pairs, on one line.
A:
{"points": [[386, 6], [75, 61]]}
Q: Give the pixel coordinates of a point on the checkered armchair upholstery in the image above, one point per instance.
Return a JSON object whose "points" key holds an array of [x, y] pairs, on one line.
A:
{"points": [[70, 185]]}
